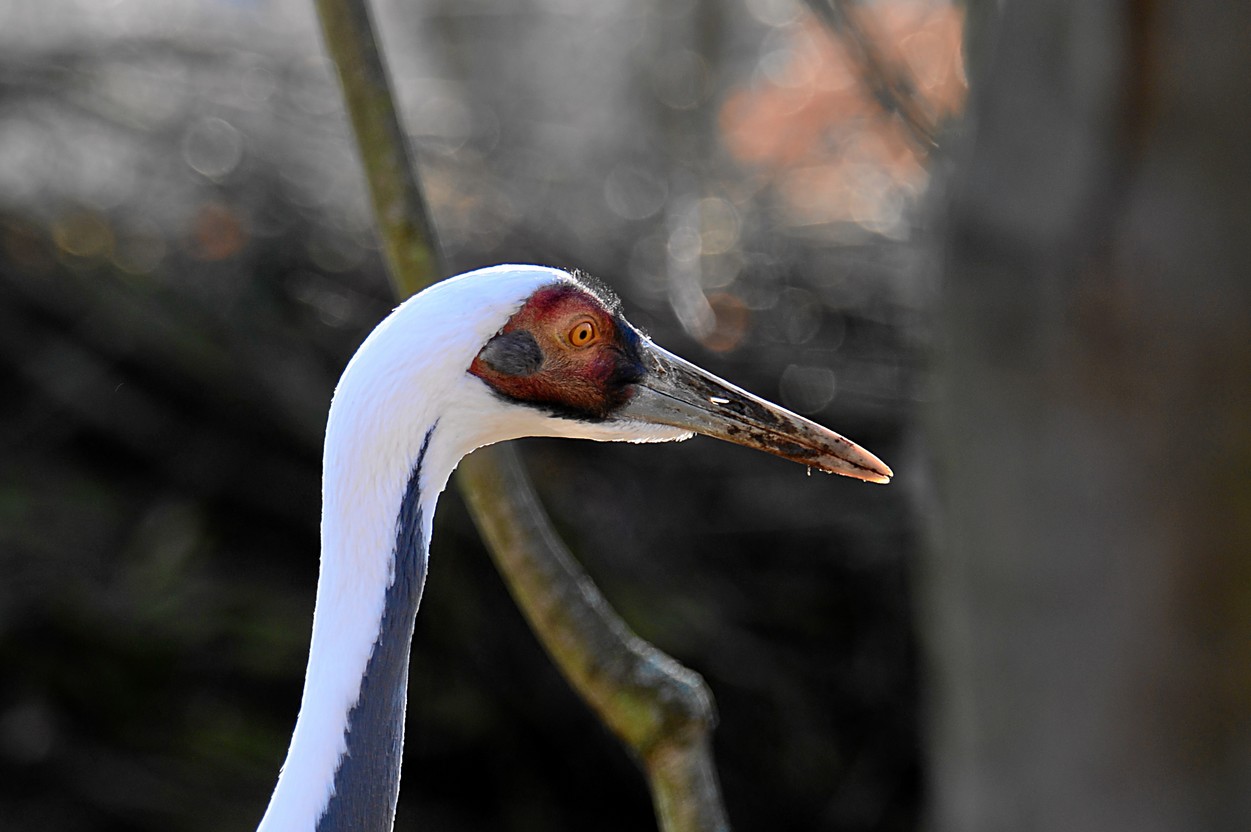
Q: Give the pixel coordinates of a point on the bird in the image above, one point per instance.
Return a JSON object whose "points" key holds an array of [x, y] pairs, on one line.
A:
{"points": [[487, 356]]}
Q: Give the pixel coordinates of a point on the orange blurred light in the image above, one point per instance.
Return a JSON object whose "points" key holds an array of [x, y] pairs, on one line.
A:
{"points": [[828, 145], [733, 320], [218, 232]]}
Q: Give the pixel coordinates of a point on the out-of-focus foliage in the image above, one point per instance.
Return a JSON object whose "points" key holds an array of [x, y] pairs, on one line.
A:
{"points": [[186, 263], [813, 127]]}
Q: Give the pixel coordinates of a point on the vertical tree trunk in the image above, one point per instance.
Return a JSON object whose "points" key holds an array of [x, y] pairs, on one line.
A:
{"points": [[1088, 599]]}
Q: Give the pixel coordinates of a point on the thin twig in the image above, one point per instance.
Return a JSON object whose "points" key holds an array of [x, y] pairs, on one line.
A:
{"points": [[891, 84], [662, 711]]}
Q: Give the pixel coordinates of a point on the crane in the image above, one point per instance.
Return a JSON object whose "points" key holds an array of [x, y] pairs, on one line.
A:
{"points": [[490, 355]]}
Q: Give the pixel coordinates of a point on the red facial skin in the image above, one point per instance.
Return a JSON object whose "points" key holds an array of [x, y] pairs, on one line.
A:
{"points": [[588, 379]]}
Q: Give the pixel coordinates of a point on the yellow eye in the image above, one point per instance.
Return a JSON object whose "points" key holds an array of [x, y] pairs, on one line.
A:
{"points": [[582, 334]]}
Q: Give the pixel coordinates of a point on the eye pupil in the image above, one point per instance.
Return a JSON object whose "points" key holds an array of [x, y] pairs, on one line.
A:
{"points": [[582, 333]]}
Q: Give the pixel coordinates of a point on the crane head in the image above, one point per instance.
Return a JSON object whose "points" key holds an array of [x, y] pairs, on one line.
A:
{"points": [[568, 351], [484, 357]]}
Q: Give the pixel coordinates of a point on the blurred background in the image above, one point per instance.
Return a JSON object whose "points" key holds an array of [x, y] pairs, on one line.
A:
{"points": [[1033, 304], [187, 262]]}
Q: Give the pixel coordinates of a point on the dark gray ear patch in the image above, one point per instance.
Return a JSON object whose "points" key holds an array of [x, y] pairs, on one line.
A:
{"points": [[513, 354]]}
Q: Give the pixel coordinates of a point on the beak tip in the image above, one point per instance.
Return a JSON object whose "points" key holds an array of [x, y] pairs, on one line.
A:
{"points": [[872, 469]]}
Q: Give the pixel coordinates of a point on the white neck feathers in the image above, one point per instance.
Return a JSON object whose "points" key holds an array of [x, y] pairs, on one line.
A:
{"points": [[408, 375]]}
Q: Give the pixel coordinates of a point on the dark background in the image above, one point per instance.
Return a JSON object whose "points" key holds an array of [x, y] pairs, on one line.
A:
{"points": [[186, 263]]}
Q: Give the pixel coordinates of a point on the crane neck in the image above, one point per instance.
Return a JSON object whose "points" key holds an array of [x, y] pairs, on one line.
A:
{"points": [[405, 412], [367, 779], [343, 766]]}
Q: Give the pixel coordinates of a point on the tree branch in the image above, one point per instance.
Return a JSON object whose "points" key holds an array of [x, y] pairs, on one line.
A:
{"points": [[662, 711], [414, 260]]}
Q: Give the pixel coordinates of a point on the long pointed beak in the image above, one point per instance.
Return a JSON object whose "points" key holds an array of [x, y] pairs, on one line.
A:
{"points": [[675, 392]]}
